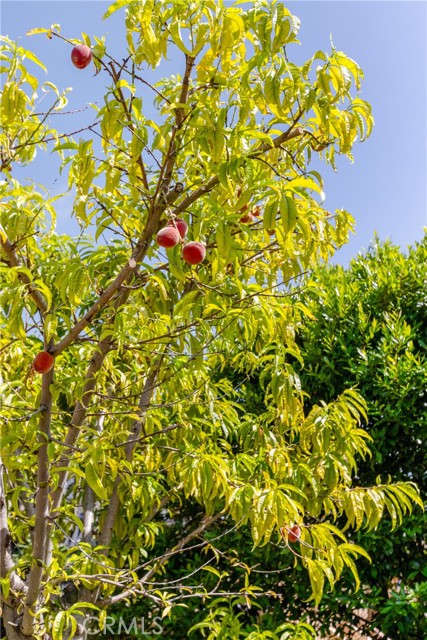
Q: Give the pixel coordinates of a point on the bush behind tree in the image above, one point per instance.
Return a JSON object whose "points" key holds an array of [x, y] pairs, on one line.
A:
{"points": [[370, 333]]}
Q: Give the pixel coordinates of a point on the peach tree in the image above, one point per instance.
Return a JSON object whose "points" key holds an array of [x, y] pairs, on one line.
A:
{"points": [[136, 422]]}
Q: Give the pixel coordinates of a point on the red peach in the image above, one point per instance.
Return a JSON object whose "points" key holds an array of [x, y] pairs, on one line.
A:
{"points": [[81, 56], [256, 211], [247, 218], [168, 237], [194, 252], [43, 362], [181, 225], [294, 533]]}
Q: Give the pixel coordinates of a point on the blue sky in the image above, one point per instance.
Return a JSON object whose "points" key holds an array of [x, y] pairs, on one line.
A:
{"points": [[385, 189]]}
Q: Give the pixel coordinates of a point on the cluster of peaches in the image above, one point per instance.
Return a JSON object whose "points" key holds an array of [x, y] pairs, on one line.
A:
{"points": [[175, 231]]}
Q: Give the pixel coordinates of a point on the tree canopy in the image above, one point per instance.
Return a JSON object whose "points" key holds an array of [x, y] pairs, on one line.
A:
{"points": [[137, 420]]}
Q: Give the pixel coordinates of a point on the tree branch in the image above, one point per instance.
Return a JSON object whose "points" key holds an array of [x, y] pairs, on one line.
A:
{"points": [[192, 197], [214, 180], [78, 417], [179, 548], [284, 137], [132, 267], [98, 306], [42, 509], [170, 158], [141, 248], [104, 539], [103, 348], [144, 403]]}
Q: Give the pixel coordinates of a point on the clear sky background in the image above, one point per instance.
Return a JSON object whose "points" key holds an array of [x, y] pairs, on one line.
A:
{"points": [[386, 187]]}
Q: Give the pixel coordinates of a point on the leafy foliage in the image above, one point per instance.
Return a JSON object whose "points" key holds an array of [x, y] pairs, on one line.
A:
{"points": [[139, 422], [370, 332]]}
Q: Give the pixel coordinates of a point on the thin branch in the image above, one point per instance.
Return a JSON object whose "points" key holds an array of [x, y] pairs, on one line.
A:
{"points": [[122, 101], [149, 85], [46, 115], [56, 138], [224, 594], [172, 427], [284, 137], [67, 446], [28, 416], [179, 548], [195, 195], [166, 171], [99, 305], [144, 403], [280, 175], [78, 417]]}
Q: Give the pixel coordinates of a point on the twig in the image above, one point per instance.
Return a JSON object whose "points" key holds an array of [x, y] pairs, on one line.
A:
{"points": [[181, 546], [116, 77], [28, 416]]}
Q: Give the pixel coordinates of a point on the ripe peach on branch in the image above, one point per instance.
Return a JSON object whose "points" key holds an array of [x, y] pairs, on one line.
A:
{"points": [[194, 252], [81, 56], [168, 237], [43, 362], [292, 534], [179, 224]]}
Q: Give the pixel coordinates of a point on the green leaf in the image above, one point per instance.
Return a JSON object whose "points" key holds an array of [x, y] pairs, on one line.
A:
{"points": [[317, 579], [5, 587], [210, 569], [49, 326], [59, 625], [175, 262], [119, 4], [272, 92], [218, 139], [288, 213], [94, 481], [36, 31], [30, 55], [175, 32], [224, 240], [270, 213]]}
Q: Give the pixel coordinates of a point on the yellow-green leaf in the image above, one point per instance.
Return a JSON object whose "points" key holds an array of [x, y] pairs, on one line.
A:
{"points": [[94, 481]]}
